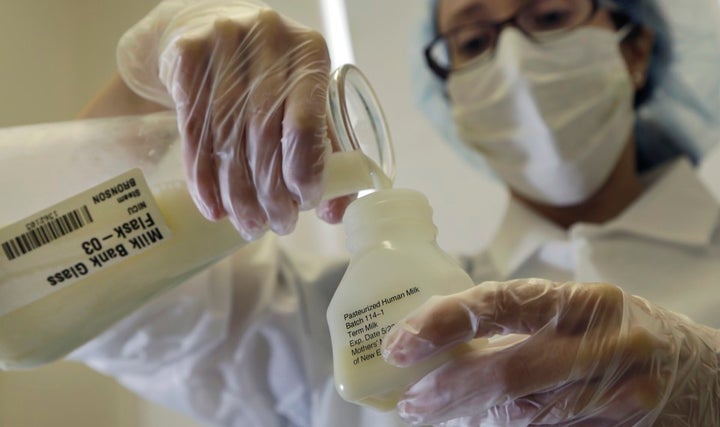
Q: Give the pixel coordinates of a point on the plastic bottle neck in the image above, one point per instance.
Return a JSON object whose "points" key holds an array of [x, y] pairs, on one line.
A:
{"points": [[395, 216]]}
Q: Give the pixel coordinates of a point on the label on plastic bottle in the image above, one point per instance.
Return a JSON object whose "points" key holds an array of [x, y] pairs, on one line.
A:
{"points": [[367, 326], [67, 242]]}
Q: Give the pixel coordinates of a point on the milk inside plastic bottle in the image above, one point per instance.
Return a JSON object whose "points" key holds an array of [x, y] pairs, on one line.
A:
{"points": [[396, 265], [97, 219]]}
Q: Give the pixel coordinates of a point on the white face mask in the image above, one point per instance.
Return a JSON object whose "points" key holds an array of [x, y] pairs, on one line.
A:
{"points": [[551, 119]]}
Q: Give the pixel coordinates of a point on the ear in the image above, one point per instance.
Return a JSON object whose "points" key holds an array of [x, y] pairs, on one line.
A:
{"points": [[637, 50]]}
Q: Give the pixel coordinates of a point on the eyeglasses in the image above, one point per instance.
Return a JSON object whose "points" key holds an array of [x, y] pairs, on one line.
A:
{"points": [[538, 20]]}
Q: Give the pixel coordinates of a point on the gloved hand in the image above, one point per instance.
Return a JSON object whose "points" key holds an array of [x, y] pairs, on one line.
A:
{"points": [[589, 355], [249, 87]]}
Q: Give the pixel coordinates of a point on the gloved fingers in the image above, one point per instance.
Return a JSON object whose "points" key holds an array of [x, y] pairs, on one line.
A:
{"points": [[621, 358], [576, 404], [192, 97], [264, 114], [229, 101], [518, 413], [440, 323], [304, 140], [622, 403], [612, 354], [332, 211], [266, 163], [483, 379], [519, 306], [488, 377], [252, 100]]}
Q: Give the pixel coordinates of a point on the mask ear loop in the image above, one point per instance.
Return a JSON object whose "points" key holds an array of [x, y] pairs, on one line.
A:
{"points": [[624, 32]]}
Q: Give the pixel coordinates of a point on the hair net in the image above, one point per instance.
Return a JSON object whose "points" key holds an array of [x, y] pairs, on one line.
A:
{"points": [[680, 111]]}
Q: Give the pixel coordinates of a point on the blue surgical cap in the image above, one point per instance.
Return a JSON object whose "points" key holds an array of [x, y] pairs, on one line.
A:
{"points": [[678, 112]]}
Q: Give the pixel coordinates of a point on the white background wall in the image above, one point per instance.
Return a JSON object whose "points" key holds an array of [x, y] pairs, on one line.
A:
{"points": [[56, 54]]}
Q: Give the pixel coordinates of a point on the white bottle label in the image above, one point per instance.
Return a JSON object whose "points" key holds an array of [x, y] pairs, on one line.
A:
{"points": [[77, 237], [367, 326]]}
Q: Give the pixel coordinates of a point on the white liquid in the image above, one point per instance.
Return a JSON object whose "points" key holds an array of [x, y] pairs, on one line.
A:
{"points": [[395, 267], [350, 172], [365, 377], [53, 326]]}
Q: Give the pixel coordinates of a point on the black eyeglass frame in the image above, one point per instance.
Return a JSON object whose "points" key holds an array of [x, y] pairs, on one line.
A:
{"points": [[444, 73]]}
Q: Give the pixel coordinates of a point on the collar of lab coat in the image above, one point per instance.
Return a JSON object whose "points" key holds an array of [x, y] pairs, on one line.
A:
{"points": [[676, 208]]}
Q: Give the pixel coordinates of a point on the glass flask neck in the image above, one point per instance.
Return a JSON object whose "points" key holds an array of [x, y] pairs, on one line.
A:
{"points": [[356, 119]]}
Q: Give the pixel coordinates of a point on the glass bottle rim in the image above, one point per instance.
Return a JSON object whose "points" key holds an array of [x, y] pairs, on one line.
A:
{"points": [[348, 85]]}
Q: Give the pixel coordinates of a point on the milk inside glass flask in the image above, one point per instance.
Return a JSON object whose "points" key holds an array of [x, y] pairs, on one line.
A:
{"points": [[97, 219]]}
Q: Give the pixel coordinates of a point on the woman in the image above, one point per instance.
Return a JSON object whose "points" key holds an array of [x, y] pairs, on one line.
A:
{"points": [[544, 90]]}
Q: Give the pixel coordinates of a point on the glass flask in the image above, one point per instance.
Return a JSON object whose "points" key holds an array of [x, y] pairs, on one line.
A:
{"points": [[97, 218]]}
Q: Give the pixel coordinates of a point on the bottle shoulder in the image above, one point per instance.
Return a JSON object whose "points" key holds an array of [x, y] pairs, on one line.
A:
{"points": [[383, 270], [422, 254]]}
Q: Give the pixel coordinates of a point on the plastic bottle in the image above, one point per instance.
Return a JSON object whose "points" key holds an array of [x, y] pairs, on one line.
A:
{"points": [[96, 219], [395, 266]]}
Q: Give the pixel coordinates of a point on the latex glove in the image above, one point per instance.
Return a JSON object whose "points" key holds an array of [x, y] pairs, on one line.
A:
{"points": [[249, 87], [590, 355]]}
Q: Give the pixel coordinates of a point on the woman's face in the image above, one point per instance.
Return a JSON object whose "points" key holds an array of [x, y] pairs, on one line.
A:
{"points": [[583, 128], [452, 14]]}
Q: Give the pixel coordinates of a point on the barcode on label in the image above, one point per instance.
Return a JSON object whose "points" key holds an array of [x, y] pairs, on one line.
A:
{"points": [[46, 233]]}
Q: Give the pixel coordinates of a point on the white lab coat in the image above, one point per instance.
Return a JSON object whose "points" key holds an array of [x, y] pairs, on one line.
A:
{"points": [[665, 247], [245, 343]]}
